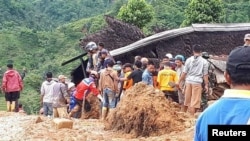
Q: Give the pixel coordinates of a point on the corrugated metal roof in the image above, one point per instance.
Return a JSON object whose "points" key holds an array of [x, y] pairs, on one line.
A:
{"points": [[181, 31]]}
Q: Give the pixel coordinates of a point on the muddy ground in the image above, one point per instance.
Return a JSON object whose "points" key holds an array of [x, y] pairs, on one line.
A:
{"points": [[19, 127]]}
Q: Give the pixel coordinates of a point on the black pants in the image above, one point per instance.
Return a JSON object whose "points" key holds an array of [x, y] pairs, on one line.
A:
{"points": [[12, 96], [172, 95]]}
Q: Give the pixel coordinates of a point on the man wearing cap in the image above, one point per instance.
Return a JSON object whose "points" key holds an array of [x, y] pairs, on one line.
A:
{"points": [[101, 59], [91, 48], [12, 84], [106, 59], [60, 98], [136, 75], [84, 88], [233, 107], [247, 40]]}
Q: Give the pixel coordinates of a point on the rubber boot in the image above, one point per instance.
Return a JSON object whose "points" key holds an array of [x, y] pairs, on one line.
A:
{"points": [[8, 106], [13, 106], [104, 113]]}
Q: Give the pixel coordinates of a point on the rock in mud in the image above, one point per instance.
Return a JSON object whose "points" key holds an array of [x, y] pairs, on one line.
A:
{"points": [[62, 123]]}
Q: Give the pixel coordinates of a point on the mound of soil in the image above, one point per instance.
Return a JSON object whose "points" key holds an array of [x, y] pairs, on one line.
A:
{"points": [[144, 111], [94, 113]]}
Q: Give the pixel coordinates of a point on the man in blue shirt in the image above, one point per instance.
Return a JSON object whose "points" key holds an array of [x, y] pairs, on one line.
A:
{"points": [[233, 107], [147, 76]]}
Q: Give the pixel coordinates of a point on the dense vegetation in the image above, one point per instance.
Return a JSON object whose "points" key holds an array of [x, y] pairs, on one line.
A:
{"points": [[40, 34]]}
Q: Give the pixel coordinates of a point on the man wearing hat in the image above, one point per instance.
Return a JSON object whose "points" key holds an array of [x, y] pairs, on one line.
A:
{"points": [[92, 49], [12, 84], [60, 98], [247, 40], [233, 107], [106, 58]]}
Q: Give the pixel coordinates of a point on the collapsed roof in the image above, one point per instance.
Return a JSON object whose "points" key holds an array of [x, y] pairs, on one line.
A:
{"points": [[217, 39]]}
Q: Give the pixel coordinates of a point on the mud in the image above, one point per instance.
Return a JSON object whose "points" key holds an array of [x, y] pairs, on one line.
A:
{"points": [[19, 127], [144, 111], [94, 113], [142, 115]]}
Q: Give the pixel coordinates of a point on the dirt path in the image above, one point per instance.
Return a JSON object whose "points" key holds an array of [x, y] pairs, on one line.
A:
{"points": [[16, 127]]}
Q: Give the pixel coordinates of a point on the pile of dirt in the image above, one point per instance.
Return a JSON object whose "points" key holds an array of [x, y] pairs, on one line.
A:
{"points": [[94, 113], [144, 111]]}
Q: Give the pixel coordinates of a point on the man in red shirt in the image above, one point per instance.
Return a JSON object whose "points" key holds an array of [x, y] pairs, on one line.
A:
{"points": [[86, 86], [12, 84]]}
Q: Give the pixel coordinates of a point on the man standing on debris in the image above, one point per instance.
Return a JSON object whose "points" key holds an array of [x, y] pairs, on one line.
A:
{"points": [[47, 91], [233, 107], [12, 84], [108, 85], [247, 40], [165, 78], [147, 76], [86, 86], [60, 96], [195, 72], [91, 48], [179, 69]]}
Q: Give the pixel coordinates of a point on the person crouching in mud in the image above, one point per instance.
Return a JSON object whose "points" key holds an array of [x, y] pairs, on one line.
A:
{"points": [[86, 86], [72, 101]]}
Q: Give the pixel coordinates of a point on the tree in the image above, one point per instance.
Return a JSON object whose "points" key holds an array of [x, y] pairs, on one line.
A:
{"points": [[204, 11], [136, 12]]}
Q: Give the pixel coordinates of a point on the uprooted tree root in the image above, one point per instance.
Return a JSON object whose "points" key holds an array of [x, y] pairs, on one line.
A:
{"points": [[144, 111]]}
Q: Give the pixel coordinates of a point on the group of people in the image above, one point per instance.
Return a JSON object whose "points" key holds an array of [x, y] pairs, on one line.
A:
{"points": [[182, 81]]}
